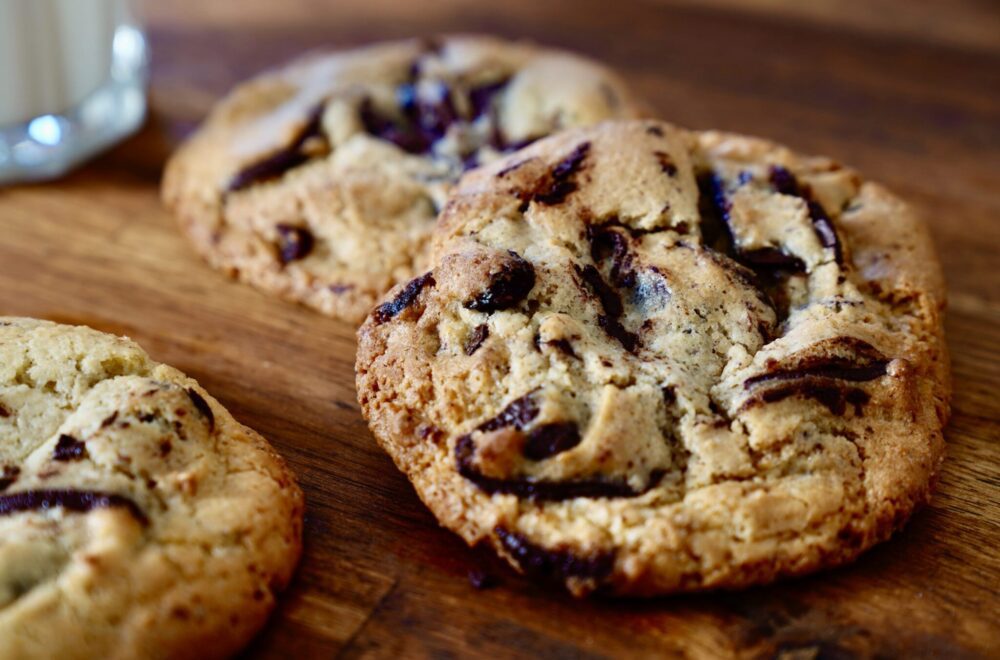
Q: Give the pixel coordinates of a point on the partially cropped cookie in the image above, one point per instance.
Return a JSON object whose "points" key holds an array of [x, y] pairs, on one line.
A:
{"points": [[646, 360], [138, 519], [320, 182]]}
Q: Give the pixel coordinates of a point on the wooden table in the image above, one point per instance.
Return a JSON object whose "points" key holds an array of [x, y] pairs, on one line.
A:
{"points": [[907, 92]]}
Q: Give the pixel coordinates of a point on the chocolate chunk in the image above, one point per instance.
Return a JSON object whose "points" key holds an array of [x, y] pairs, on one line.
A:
{"points": [[4, 411], [202, 407], [69, 448], [562, 345], [666, 163], [109, 420], [820, 377], [518, 414], [554, 564], [611, 303], [481, 97], [605, 243], [655, 130], [8, 475], [669, 394], [560, 181], [785, 183], [435, 114], [294, 242], [77, 501], [551, 439], [614, 328], [713, 206], [834, 396], [403, 299], [477, 338], [507, 287], [282, 160], [403, 135], [542, 490], [769, 257]]}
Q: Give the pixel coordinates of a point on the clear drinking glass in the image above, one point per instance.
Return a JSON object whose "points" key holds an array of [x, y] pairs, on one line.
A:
{"points": [[72, 83]]}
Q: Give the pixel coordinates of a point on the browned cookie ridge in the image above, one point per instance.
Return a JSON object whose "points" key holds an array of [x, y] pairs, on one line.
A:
{"points": [[715, 362]]}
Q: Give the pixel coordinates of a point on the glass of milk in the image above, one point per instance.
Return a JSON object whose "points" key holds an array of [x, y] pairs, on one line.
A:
{"points": [[72, 83]]}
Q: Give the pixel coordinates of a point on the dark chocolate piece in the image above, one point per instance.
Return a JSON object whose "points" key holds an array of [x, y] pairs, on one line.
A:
{"points": [[477, 338], [481, 97], [611, 303], [8, 475], [541, 490], [832, 395], [69, 448], [403, 299], [518, 414], [282, 160], [551, 439], [4, 411], [560, 182], [554, 564], [294, 243], [607, 242], [77, 501], [666, 163], [507, 287], [769, 257], [562, 345], [403, 135], [202, 407], [785, 183]]}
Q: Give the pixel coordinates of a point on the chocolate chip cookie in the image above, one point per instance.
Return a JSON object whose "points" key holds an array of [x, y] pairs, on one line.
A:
{"points": [[647, 360], [320, 182], [138, 519]]}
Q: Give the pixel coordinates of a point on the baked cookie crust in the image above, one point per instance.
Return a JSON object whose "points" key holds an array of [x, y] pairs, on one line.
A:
{"points": [[138, 519], [647, 360]]}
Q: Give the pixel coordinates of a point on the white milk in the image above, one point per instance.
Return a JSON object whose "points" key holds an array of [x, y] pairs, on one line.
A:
{"points": [[72, 82], [53, 53]]}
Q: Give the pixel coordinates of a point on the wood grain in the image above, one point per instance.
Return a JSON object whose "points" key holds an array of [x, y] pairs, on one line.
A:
{"points": [[379, 578]]}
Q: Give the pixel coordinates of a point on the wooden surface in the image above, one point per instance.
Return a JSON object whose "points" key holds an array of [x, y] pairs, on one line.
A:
{"points": [[910, 96]]}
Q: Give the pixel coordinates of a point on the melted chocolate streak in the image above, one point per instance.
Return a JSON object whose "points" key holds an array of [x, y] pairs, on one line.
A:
{"points": [[819, 380], [282, 160], [561, 182], [611, 303], [785, 183], [719, 233], [558, 564], [77, 501], [403, 299], [543, 442]]}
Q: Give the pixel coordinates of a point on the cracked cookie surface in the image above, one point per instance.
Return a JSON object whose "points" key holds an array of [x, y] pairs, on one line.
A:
{"points": [[647, 360], [138, 519], [320, 182]]}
